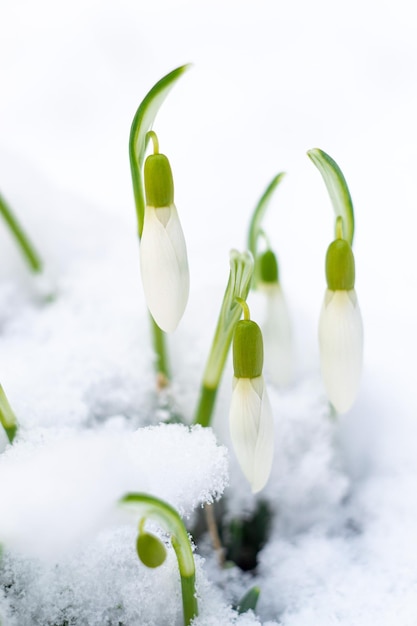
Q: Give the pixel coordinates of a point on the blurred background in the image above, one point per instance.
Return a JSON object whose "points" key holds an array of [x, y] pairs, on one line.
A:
{"points": [[270, 80]]}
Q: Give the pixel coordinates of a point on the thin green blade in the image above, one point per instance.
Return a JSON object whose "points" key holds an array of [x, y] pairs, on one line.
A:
{"points": [[337, 188], [7, 417], [255, 225], [142, 123], [249, 600], [27, 249]]}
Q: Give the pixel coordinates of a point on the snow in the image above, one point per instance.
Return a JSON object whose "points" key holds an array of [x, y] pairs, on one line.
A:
{"points": [[269, 82]]}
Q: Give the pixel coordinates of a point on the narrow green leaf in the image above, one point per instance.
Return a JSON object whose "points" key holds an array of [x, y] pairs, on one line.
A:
{"points": [[255, 229], [142, 123], [249, 600], [7, 417], [27, 249], [338, 190]]}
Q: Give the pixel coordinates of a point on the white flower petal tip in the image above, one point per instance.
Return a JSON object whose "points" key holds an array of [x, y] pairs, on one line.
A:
{"points": [[341, 347], [252, 430], [277, 333], [164, 266]]}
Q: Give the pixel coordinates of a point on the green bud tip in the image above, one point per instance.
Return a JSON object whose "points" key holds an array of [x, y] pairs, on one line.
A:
{"points": [[151, 551], [159, 184], [268, 267], [340, 266], [248, 350]]}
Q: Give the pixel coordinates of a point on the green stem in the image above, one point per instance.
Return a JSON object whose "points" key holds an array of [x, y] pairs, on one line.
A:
{"points": [[28, 251], [241, 272], [167, 516], [159, 344], [205, 405], [7, 417]]}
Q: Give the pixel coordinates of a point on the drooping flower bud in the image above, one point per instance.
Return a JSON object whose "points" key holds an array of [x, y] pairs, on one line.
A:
{"points": [[163, 254], [340, 329], [250, 418]]}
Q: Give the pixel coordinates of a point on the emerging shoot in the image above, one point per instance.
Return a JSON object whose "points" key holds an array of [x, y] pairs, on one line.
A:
{"points": [[152, 552], [141, 125], [340, 324]]}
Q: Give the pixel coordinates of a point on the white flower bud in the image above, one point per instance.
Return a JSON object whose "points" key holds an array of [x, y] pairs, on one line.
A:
{"points": [[252, 429], [341, 347], [164, 266], [278, 342]]}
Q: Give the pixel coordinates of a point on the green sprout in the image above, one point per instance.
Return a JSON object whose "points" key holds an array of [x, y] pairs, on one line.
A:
{"points": [[27, 249], [249, 600], [7, 417], [241, 272], [340, 323], [152, 550], [139, 137]]}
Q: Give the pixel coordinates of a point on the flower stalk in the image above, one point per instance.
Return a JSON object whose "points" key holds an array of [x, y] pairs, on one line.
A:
{"points": [[158, 510], [241, 271]]}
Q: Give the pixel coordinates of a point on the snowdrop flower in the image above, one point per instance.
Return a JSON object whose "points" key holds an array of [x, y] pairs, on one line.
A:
{"points": [[163, 254], [279, 351], [340, 329], [250, 419]]}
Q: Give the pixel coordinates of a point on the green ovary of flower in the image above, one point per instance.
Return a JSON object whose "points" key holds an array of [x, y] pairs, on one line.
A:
{"points": [[248, 353], [340, 266], [159, 184], [150, 549], [268, 267]]}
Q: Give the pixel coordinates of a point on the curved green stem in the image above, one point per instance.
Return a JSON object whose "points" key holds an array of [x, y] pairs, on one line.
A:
{"points": [[241, 272], [140, 133], [7, 417], [255, 230], [338, 191], [167, 516], [27, 249]]}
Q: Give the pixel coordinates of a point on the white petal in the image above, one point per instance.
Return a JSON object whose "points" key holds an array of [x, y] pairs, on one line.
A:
{"points": [[278, 343], [341, 347], [252, 430], [164, 266]]}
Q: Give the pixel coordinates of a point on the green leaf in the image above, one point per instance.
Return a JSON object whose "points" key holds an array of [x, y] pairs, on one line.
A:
{"points": [[255, 230], [142, 123], [7, 417], [249, 600], [26, 247], [338, 190]]}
